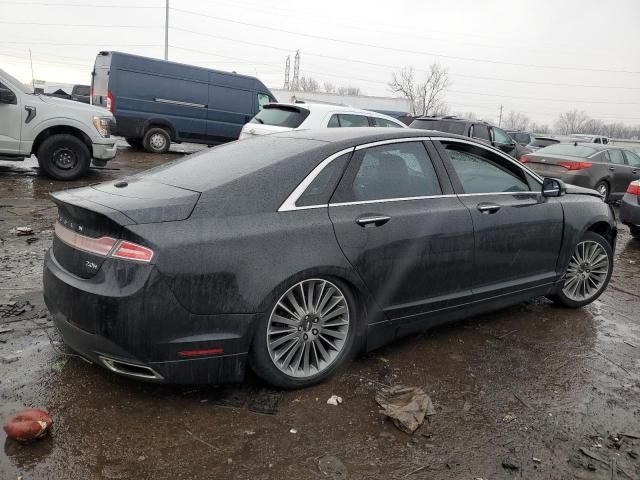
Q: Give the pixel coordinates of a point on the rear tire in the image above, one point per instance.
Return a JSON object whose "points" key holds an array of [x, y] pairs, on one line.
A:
{"points": [[64, 157], [292, 346], [588, 272], [156, 140], [603, 189]]}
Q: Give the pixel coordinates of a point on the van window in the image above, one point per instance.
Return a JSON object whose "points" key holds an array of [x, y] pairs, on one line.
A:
{"points": [[263, 99], [281, 116]]}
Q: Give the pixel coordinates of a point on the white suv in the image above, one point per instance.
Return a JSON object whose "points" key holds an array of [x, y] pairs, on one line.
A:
{"points": [[282, 117], [64, 135]]}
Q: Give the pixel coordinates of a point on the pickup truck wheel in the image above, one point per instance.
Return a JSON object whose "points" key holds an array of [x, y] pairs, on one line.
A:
{"points": [[64, 157], [588, 272], [156, 140]]}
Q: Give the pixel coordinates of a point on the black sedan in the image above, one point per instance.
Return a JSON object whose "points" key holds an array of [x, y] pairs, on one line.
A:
{"points": [[292, 252], [630, 209]]}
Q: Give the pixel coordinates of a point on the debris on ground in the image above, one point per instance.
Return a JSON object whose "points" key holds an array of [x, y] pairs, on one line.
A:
{"points": [[509, 417], [293, 430], [14, 309], [332, 467], [28, 425], [510, 465], [7, 360], [265, 402], [334, 400], [405, 406], [20, 231], [6, 330], [58, 365], [30, 240], [536, 460]]}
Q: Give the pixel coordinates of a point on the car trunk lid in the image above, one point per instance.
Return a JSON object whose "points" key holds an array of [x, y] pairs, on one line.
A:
{"points": [[91, 220]]}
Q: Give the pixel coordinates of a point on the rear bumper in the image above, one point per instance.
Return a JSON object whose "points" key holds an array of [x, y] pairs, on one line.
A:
{"points": [[630, 210], [140, 330]]}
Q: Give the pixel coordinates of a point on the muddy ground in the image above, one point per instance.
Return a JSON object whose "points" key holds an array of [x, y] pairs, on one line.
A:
{"points": [[529, 386]]}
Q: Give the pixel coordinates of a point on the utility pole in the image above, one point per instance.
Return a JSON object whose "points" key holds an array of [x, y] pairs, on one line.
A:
{"points": [[287, 67], [296, 72], [33, 78], [166, 31], [499, 121]]}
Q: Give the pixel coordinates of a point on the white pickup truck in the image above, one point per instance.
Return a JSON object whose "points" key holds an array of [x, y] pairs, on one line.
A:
{"points": [[63, 135]]}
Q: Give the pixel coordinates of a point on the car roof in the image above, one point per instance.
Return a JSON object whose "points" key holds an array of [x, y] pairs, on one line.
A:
{"points": [[359, 135]]}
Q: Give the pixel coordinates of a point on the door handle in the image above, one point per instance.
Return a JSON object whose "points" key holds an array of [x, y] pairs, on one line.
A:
{"points": [[489, 208], [613, 169], [375, 220]]}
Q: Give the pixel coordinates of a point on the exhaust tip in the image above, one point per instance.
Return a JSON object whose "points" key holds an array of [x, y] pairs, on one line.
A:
{"points": [[130, 369]]}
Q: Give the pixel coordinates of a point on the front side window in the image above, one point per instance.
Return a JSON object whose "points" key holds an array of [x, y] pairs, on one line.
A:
{"points": [[481, 132], [263, 99], [616, 157], [399, 170], [632, 158], [501, 137], [481, 171]]}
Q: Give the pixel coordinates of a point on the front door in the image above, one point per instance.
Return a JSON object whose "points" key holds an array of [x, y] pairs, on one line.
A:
{"points": [[518, 232], [10, 122], [411, 245]]}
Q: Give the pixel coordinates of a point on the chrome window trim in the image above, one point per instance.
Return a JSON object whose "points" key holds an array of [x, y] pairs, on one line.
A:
{"points": [[290, 203]]}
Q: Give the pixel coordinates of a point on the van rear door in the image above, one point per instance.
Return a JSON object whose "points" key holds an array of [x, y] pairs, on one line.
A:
{"points": [[100, 79]]}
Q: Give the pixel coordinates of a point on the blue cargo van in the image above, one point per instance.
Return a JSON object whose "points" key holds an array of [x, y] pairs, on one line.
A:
{"points": [[156, 102]]}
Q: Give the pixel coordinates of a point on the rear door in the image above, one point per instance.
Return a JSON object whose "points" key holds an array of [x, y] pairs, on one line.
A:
{"points": [[633, 161], [480, 132], [621, 172], [398, 223], [518, 232]]}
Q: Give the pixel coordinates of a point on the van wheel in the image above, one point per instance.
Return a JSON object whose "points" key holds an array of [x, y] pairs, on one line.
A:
{"points": [[64, 157], [156, 140], [136, 143]]}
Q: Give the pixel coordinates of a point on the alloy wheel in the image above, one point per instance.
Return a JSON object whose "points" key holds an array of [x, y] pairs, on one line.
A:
{"points": [[308, 328], [603, 190], [587, 271]]}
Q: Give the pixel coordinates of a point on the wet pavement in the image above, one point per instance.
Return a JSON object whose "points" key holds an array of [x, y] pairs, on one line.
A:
{"points": [[528, 387]]}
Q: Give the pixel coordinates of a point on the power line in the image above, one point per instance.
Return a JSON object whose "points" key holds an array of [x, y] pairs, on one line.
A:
{"points": [[398, 50], [79, 5], [36, 42], [92, 25], [349, 60]]}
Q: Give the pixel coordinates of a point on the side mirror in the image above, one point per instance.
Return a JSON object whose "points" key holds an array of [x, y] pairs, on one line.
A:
{"points": [[7, 96], [552, 187]]}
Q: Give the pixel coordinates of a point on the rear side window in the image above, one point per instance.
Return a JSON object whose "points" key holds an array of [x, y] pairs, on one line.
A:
{"points": [[400, 170], [568, 149], [616, 157], [281, 116], [348, 120], [632, 158], [481, 132], [481, 171], [383, 122], [321, 188]]}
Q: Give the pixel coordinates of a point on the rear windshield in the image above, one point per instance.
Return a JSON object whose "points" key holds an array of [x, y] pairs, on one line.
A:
{"points": [[568, 149], [81, 90], [281, 116], [227, 163], [440, 125]]}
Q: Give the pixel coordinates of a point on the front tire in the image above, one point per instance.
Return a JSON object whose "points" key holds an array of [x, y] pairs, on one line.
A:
{"points": [[588, 272], [64, 157], [307, 335], [156, 140]]}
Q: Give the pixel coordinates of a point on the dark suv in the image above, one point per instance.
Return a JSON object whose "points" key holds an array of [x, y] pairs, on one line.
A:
{"points": [[477, 129]]}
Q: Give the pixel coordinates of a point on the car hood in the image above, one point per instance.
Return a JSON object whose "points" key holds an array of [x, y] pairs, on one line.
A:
{"points": [[78, 106]]}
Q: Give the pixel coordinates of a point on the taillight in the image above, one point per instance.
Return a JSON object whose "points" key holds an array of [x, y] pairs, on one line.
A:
{"points": [[634, 188], [110, 103], [575, 165], [131, 251], [525, 159], [104, 246]]}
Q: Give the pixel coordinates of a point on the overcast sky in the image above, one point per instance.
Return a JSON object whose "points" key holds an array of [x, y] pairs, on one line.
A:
{"points": [[540, 57]]}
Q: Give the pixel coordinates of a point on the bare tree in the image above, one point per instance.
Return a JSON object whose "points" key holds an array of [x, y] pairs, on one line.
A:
{"points": [[348, 90], [426, 96], [517, 121], [539, 128], [309, 84], [593, 125], [570, 122], [328, 87]]}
